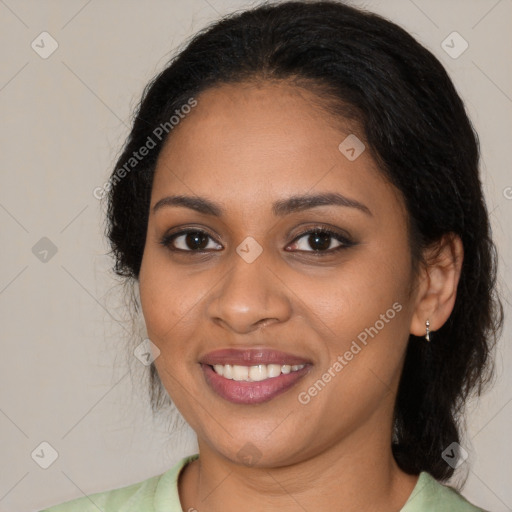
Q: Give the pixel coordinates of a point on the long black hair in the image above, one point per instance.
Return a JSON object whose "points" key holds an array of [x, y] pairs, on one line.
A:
{"points": [[416, 127]]}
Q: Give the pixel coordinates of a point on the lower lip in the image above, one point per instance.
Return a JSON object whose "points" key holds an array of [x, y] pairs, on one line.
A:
{"points": [[244, 392]]}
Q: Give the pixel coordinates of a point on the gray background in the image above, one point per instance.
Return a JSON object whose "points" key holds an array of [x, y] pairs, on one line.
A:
{"points": [[67, 377]]}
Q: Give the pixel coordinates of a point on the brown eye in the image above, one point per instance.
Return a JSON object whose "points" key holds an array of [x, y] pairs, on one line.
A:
{"points": [[321, 240], [188, 241]]}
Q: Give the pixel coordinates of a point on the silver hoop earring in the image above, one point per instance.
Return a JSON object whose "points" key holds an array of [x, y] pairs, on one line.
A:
{"points": [[427, 334]]}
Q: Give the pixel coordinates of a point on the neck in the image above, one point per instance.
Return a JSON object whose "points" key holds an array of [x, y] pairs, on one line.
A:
{"points": [[357, 474]]}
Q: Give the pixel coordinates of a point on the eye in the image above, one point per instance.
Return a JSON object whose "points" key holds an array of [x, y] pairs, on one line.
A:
{"points": [[188, 240], [321, 240]]}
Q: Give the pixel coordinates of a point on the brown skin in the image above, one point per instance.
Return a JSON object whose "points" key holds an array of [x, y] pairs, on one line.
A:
{"points": [[245, 146]]}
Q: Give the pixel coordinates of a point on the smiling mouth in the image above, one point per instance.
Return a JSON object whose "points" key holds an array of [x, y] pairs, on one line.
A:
{"points": [[252, 384], [255, 373]]}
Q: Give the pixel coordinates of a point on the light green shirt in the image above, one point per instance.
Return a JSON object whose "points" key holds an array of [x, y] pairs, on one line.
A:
{"points": [[160, 494]]}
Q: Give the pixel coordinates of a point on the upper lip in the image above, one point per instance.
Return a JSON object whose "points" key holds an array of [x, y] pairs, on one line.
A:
{"points": [[251, 357]]}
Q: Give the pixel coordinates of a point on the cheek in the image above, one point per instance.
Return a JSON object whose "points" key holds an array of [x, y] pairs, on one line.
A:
{"points": [[365, 320], [167, 299], [355, 295], [363, 313]]}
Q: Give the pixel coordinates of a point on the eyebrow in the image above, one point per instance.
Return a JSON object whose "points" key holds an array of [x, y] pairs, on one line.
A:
{"points": [[280, 208]]}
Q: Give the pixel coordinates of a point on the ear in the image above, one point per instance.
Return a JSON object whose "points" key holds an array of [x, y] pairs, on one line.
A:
{"points": [[437, 284]]}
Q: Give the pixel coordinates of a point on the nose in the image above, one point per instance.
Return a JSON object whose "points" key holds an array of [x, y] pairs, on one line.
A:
{"points": [[250, 297]]}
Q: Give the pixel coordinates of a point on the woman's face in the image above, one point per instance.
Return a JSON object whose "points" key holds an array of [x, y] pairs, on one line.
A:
{"points": [[262, 293]]}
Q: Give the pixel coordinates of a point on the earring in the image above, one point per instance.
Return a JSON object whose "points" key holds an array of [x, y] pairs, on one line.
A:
{"points": [[427, 335]]}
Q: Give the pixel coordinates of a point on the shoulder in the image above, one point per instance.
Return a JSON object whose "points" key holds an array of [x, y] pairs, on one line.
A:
{"points": [[430, 495], [143, 496]]}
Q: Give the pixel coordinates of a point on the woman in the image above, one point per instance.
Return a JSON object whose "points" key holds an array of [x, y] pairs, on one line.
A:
{"points": [[300, 206]]}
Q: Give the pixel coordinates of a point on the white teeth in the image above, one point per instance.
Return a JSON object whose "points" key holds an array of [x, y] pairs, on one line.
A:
{"points": [[240, 372], [258, 372], [254, 373], [228, 371], [286, 368], [273, 370]]}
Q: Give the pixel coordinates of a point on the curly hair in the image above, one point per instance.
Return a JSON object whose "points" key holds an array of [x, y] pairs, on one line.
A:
{"points": [[415, 124]]}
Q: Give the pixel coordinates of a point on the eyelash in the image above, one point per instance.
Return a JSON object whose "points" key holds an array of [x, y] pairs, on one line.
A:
{"points": [[345, 242]]}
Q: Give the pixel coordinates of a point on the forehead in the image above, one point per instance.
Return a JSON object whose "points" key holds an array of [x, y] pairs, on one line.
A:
{"points": [[246, 142]]}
